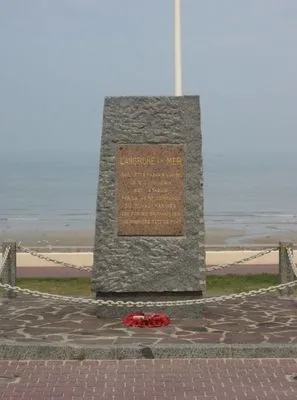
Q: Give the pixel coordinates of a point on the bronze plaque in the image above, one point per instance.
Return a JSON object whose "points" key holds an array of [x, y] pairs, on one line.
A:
{"points": [[150, 190]]}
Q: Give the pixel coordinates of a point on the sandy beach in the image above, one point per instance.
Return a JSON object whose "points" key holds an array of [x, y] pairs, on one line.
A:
{"points": [[76, 247], [86, 258], [81, 239]]}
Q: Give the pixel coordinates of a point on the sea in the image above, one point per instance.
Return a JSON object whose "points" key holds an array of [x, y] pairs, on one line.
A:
{"points": [[57, 190]]}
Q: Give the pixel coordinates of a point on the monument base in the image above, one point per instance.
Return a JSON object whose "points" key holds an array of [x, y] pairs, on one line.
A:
{"points": [[184, 311]]}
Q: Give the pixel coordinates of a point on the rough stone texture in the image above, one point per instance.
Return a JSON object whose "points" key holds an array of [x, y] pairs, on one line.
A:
{"points": [[34, 328], [286, 273], [9, 270], [150, 264]]}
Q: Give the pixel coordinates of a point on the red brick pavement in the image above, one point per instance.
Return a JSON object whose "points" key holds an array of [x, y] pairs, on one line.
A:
{"points": [[63, 272], [174, 379]]}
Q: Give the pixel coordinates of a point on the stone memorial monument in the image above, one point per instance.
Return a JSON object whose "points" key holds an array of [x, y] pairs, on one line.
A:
{"points": [[149, 239]]}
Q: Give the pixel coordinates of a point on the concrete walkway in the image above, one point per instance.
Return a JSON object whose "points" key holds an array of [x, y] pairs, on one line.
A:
{"points": [[64, 272], [86, 258], [34, 328], [188, 379]]}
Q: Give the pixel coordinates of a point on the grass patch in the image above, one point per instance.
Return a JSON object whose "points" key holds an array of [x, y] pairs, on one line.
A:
{"points": [[238, 283], [215, 284], [63, 286]]}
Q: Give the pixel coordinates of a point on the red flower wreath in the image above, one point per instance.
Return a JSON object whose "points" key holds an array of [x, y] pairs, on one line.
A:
{"points": [[141, 320]]}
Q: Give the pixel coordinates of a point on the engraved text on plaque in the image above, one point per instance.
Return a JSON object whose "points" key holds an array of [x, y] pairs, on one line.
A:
{"points": [[150, 190]]}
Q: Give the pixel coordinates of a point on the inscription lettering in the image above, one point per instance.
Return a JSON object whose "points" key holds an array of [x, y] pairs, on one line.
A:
{"points": [[150, 190], [150, 160]]}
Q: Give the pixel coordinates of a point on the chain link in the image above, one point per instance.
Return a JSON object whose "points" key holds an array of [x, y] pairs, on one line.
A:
{"points": [[89, 269], [100, 302], [244, 260], [290, 254], [110, 303], [4, 259], [45, 258]]}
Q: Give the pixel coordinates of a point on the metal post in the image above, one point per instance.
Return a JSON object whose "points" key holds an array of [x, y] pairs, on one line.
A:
{"points": [[9, 271], [177, 49], [286, 273]]}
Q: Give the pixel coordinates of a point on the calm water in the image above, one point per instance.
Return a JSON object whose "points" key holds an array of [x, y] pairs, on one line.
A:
{"points": [[255, 192]]}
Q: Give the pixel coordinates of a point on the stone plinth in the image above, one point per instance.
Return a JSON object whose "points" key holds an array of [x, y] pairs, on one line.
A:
{"points": [[149, 240]]}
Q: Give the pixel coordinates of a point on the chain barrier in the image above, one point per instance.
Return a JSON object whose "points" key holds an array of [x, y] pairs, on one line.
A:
{"points": [[100, 302], [4, 259], [89, 269], [290, 253], [45, 258], [244, 260]]}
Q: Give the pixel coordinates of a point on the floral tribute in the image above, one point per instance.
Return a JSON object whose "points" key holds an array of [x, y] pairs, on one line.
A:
{"points": [[141, 320]]}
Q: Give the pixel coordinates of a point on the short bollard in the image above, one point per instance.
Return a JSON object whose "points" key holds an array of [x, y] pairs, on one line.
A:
{"points": [[9, 270], [286, 273]]}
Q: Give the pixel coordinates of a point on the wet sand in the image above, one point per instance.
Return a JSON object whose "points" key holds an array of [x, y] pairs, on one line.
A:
{"points": [[215, 237], [62, 238], [289, 236]]}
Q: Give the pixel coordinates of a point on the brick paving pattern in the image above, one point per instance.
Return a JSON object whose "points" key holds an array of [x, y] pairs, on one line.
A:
{"points": [[187, 379]]}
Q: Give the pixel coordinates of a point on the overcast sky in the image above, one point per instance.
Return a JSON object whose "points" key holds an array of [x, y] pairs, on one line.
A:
{"points": [[60, 58]]}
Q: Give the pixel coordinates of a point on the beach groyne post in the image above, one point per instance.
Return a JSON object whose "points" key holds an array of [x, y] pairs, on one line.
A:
{"points": [[286, 273], [9, 270]]}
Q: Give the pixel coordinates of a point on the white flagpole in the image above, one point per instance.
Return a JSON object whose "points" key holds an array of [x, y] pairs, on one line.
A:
{"points": [[177, 49]]}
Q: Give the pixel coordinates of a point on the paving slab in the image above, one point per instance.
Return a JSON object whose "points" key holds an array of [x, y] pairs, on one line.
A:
{"points": [[38, 328], [175, 379]]}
